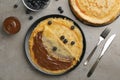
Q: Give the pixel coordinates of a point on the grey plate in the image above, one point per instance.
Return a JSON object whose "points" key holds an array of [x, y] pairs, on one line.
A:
{"points": [[26, 43]]}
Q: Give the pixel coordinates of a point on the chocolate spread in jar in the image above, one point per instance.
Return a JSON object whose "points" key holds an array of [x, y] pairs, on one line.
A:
{"points": [[44, 59], [11, 25]]}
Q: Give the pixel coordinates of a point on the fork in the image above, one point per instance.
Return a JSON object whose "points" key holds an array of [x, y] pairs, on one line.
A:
{"points": [[103, 35]]}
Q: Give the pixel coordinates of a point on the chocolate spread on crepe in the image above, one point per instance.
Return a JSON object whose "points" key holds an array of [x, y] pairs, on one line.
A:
{"points": [[43, 57]]}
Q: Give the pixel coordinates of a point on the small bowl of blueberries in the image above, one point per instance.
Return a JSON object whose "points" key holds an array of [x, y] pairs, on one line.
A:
{"points": [[36, 5]]}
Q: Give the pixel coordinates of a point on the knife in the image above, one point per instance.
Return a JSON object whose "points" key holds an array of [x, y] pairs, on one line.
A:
{"points": [[107, 44]]}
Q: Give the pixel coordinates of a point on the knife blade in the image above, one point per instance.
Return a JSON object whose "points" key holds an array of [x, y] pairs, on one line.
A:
{"points": [[107, 44]]}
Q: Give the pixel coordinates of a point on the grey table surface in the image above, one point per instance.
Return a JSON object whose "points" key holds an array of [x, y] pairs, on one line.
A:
{"points": [[15, 66]]}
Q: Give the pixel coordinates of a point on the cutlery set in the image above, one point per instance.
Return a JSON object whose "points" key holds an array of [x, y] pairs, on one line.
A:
{"points": [[105, 47]]}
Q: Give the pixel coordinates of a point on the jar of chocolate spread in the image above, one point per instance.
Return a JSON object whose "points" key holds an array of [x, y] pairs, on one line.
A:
{"points": [[11, 25]]}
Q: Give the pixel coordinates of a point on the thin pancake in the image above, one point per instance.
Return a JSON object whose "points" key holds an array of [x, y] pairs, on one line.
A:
{"points": [[96, 12]]}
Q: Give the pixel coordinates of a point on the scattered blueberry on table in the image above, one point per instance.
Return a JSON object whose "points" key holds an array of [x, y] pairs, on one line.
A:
{"points": [[60, 9], [28, 11], [31, 17], [37, 4], [15, 6]]}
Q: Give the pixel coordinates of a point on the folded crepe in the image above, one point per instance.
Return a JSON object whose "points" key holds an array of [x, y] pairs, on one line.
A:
{"points": [[65, 55]]}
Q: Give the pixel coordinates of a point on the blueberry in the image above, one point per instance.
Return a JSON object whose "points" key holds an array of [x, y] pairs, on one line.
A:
{"points": [[30, 0], [62, 37], [29, 5], [46, 0], [31, 17], [15, 6], [72, 42], [36, 6], [33, 1], [28, 11], [59, 8], [72, 27], [38, 2], [65, 41], [49, 22], [61, 11], [43, 4], [54, 48]]}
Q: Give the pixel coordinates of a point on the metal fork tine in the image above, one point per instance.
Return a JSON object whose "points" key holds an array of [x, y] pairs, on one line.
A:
{"points": [[105, 32]]}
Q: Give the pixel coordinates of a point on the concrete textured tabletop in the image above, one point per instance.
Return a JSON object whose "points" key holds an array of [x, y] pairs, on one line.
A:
{"points": [[15, 66]]}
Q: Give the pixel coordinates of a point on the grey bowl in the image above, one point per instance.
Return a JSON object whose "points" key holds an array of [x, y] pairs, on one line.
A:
{"points": [[34, 10]]}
